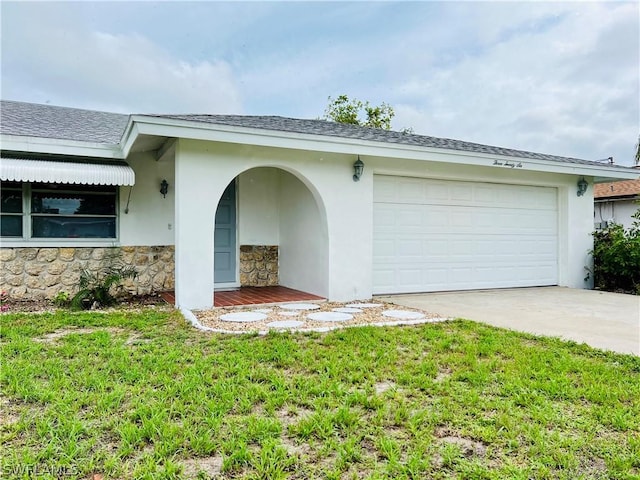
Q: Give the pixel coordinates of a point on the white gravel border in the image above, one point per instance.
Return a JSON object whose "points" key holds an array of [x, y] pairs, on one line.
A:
{"points": [[202, 320], [193, 320]]}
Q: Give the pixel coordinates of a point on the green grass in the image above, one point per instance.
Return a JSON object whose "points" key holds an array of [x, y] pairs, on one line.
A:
{"points": [[143, 395]]}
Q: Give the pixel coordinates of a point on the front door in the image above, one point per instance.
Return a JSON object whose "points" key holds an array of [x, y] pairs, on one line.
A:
{"points": [[224, 251]]}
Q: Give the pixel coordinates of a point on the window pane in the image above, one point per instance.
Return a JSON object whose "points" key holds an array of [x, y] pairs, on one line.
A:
{"points": [[73, 203], [11, 200], [11, 226], [69, 227]]}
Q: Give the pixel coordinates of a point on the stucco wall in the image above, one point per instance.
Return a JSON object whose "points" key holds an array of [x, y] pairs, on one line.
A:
{"points": [[151, 217], [303, 242], [258, 206], [576, 226], [203, 171]]}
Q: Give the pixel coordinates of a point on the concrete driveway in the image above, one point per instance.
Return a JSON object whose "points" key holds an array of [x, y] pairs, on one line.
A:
{"points": [[610, 321]]}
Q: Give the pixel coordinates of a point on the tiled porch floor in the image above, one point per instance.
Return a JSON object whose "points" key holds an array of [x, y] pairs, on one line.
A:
{"points": [[252, 296]]}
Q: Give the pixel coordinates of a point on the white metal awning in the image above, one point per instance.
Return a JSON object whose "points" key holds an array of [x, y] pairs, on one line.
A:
{"points": [[23, 170]]}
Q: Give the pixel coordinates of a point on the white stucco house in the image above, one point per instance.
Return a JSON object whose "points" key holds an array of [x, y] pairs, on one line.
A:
{"points": [[616, 202], [426, 214]]}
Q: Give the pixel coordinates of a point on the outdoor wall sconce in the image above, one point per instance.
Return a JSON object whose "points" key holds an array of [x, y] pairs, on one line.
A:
{"points": [[358, 167], [164, 188], [582, 186]]}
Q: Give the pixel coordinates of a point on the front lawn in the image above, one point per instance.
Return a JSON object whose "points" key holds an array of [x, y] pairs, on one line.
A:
{"points": [[140, 394]]}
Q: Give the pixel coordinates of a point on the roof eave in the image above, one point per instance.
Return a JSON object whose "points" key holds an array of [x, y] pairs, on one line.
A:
{"points": [[22, 143]]}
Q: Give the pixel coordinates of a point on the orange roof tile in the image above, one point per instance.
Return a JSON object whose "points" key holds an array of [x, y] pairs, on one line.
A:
{"points": [[624, 188]]}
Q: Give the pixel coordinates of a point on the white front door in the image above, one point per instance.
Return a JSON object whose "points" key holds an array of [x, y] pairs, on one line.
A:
{"points": [[437, 235]]}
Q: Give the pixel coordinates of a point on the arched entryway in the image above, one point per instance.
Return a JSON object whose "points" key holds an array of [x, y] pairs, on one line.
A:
{"points": [[271, 229]]}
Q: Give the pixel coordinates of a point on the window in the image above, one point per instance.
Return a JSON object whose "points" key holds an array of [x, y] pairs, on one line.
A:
{"points": [[11, 210], [59, 210]]}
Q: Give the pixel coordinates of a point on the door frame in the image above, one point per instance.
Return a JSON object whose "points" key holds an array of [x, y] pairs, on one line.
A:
{"points": [[220, 287]]}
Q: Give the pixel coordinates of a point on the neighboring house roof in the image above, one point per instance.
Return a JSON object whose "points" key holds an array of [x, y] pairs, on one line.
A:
{"points": [[613, 190], [62, 123]]}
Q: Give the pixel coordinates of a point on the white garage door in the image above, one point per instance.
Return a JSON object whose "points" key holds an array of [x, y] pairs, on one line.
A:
{"points": [[435, 235]]}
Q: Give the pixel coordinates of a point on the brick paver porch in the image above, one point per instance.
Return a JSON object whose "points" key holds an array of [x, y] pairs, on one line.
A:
{"points": [[252, 296]]}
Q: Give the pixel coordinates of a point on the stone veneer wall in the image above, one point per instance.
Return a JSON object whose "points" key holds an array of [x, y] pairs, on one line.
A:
{"points": [[258, 265], [35, 273]]}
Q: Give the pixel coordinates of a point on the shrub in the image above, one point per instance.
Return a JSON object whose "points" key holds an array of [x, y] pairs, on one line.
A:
{"points": [[97, 288], [616, 258], [61, 299]]}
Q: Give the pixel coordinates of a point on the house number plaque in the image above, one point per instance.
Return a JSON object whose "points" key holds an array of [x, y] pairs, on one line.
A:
{"points": [[507, 164]]}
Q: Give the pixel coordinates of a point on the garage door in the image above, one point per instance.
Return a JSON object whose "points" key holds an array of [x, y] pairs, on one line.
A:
{"points": [[436, 235]]}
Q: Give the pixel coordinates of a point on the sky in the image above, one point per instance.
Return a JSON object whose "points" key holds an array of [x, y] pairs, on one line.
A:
{"points": [[549, 77]]}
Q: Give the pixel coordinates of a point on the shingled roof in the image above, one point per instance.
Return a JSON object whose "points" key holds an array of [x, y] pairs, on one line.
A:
{"points": [[341, 130], [46, 121], [624, 188]]}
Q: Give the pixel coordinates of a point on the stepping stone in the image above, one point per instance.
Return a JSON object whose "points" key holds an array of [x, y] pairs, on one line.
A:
{"points": [[285, 324], [300, 306], [403, 314], [289, 314], [347, 310], [243, 317], [329, 316], [364, 305]]}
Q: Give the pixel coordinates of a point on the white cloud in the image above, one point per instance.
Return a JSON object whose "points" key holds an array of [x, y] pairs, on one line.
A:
{"points": [[125, 72], [569, 89]]}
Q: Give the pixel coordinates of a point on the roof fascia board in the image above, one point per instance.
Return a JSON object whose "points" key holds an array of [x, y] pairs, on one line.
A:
{"points": [[630, 175], [19, 143], [302, 141], [129, 136]]}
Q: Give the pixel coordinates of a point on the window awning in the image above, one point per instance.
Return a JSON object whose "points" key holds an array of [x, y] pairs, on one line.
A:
{"points": [[23, 170]]}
